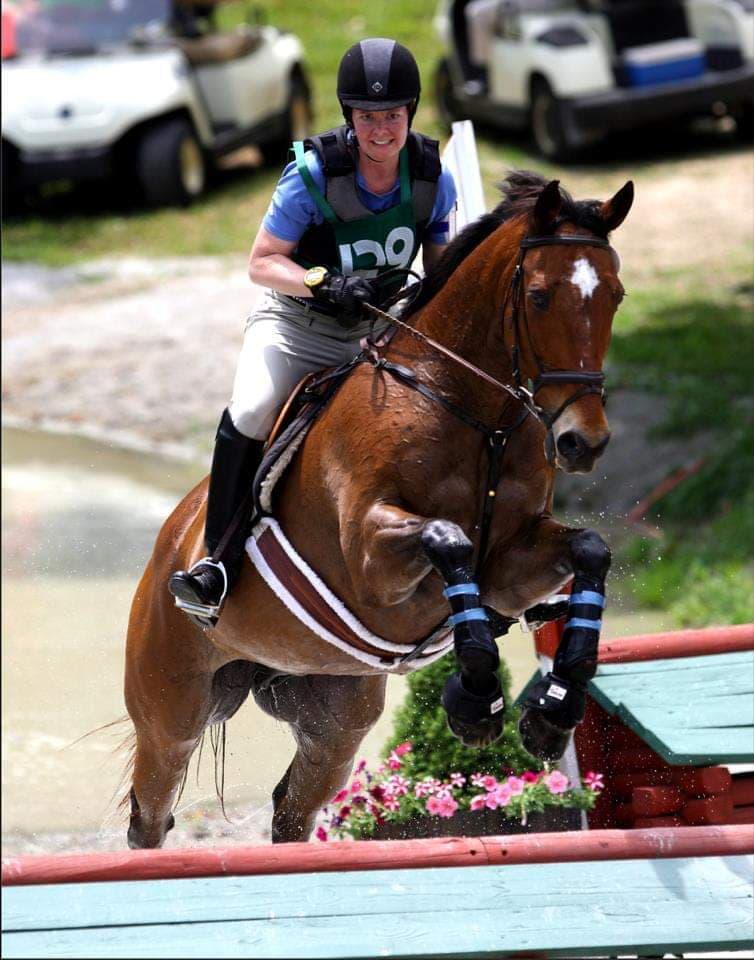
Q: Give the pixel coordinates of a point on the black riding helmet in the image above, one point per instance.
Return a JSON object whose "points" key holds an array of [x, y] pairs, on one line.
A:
{"points": [[378, 74]]}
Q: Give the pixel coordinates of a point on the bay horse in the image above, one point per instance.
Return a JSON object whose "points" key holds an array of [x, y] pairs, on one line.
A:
{"points": [[383, 501]]}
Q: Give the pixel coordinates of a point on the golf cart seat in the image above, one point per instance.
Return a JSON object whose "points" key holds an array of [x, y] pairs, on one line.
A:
{"points": [[218, 47], [635, 23]]}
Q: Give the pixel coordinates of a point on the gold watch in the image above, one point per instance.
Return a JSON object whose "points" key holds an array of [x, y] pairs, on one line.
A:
{"points": [[315, 277]]}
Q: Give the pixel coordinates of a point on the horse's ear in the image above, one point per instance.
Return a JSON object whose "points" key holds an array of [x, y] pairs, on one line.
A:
{"points": [[614, 211], [548, 207]]}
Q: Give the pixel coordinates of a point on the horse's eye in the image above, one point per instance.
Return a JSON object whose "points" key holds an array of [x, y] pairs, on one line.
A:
{"points": [[540, 299]]}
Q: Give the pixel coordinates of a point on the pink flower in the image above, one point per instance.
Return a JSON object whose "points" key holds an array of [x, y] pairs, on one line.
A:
{"points": [[394, 761], [476, 779], [489, 782], [403, 748], [442, 806], [398, 785], [361, 766], [321, 833], [340, 796], [556, 782], [499, 797], [594, 781], [516, 786], [426, 787], [479, 802], [457, 779], [356, 785], [530, 776], [391, 803]]}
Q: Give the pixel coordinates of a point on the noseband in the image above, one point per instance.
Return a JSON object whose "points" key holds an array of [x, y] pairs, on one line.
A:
{"points": [[592, 381]]}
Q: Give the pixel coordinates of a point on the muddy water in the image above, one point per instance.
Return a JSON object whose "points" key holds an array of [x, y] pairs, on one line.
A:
{"points": [[79, 519]]}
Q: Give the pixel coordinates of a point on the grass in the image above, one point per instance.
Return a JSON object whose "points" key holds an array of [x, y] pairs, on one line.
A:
{"points": [[695, 351]]}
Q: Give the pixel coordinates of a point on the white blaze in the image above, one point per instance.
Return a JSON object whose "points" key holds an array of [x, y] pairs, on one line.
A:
{"points": [[584, 277]]}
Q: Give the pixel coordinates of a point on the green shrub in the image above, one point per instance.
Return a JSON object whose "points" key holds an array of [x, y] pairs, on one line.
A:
{"points": [[437, 753]]}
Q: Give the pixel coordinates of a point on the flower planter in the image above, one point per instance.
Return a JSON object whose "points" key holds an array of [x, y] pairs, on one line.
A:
{"points": [[478, 823]]}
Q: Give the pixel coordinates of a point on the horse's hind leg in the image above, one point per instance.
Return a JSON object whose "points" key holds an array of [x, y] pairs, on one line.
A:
{"points": [[556, 703], [329, 717], [171, 697]]}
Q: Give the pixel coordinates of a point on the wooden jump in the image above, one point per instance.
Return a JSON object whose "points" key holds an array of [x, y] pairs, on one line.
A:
{"points": [[572, 847], [546, 895]]}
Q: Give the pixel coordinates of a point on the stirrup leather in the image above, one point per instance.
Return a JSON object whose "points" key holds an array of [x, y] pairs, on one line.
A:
{"points": [[206, 610]]}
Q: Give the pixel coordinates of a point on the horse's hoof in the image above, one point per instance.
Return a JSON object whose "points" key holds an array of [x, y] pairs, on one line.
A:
{"points": [[477, 734], [138, 841], [541, 738]]}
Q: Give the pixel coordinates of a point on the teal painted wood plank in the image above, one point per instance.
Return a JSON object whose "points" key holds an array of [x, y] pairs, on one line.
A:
{"points": [[740, 660], [681, 745], [666, 904], [301, 896], [713, 713], [699, 683]]}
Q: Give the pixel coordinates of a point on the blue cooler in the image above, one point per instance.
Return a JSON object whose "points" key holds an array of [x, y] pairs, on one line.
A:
{"points": [[662, 62]]}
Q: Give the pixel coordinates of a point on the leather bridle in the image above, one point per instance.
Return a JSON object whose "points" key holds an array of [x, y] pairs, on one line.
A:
{"points": [[593, 381]]}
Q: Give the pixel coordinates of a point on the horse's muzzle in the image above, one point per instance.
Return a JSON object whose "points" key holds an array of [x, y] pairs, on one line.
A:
{"points": [[576, 454]]}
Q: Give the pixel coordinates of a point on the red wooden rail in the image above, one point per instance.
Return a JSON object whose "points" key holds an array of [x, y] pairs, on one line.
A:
{"points": [[381, 855], [680, 643], [657, 646]]}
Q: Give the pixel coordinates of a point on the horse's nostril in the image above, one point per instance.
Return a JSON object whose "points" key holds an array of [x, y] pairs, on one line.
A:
{"points": [[570, 445]]}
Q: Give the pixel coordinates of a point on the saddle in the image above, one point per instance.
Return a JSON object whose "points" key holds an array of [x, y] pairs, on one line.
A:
{"points": [[307, 401]]}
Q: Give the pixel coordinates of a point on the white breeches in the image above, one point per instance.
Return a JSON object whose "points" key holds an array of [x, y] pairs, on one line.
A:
{"points": [[282, 343]]}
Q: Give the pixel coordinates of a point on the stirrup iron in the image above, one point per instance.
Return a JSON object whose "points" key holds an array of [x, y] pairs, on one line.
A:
{"points": [[205, 610]]}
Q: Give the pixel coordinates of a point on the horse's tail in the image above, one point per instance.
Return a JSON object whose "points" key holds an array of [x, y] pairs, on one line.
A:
{"points": [[127, 745], [217, 739]]}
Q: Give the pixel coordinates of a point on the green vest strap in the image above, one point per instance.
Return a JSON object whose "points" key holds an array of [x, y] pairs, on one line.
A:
{"points": [[324, 207]]}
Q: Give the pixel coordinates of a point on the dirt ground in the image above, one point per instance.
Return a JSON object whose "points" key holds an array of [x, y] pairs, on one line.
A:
{"points": [[143, 352]]}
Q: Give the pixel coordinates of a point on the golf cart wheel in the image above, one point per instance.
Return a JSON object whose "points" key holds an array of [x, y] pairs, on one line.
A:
{"points": [[12, 187], [298, 120], [745, 123], [547, 125], [446, 105], [171, 165]]}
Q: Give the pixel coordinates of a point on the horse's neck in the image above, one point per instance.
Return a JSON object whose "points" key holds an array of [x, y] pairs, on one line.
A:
{"points": [[466, 315]]}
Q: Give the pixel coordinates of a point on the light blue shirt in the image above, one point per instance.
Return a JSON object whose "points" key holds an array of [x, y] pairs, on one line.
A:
{"points": [[292, 210]]}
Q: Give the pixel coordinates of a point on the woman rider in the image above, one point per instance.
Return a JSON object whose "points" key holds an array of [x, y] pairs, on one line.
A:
{"points": [[346, 215]]}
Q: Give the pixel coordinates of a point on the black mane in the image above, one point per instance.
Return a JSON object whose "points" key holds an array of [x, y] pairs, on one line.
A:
{"points": [[520, 190]]}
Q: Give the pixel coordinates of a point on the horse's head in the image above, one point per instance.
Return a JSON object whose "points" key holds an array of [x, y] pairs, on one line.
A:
{"points": [[561, 302]]}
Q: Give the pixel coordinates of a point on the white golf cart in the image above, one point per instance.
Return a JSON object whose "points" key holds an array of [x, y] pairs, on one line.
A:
{"points": [[145, 91], [573, 70]]}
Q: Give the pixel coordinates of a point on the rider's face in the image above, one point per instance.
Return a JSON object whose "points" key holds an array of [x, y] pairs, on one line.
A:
{"points": [[381, 134]]}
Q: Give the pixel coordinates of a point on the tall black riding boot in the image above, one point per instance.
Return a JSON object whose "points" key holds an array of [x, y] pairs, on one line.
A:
{"points": [[202, 589]]}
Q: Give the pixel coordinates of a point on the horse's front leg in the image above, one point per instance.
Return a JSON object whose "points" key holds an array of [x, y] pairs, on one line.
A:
{"points": [[556, 703], [395, 552]]}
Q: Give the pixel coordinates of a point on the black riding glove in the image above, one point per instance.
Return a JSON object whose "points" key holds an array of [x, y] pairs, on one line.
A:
{"points": [[347, 295]]}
